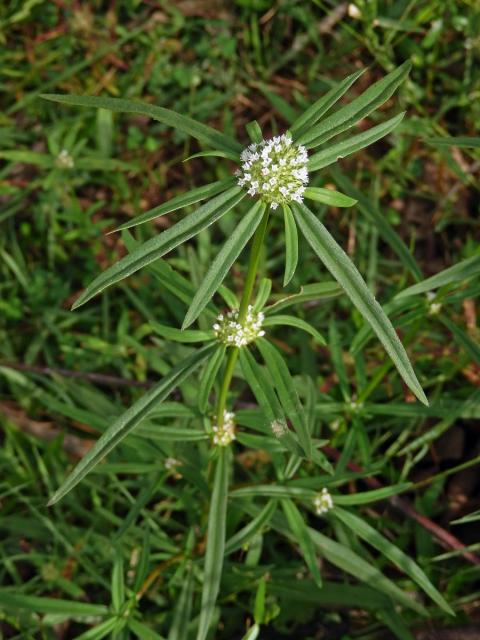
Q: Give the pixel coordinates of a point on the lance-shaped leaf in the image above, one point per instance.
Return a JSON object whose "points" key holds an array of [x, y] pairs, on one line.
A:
{"points": [[207, 379], [379, 221], [353, 144], [293, 321], [302, 537], [224, 260], [130, 419], [202, 132], [319, 108], [214, 555], [356, 110], [347, 275], [179, 202], [393, 553], [329, 197], [463, 270], [287, 393], [158, 246], [268, 401], [291, 245]]}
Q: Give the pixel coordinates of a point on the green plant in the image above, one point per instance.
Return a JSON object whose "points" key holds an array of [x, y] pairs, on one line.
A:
{"points": [[284, 426]]}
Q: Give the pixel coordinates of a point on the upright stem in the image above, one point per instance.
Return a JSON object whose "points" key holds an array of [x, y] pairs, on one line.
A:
{"points": [[242, 313]]}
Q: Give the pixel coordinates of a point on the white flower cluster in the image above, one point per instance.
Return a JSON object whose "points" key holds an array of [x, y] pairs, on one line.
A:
{"points": [[275, 170], [223, 436], [279, 428], [228, 330], [323, 502], [64, 160]]}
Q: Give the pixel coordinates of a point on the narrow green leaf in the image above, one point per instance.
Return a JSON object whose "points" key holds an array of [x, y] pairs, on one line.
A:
{"points": [[209, 375], [223, 261], [393, 553], [319, 108], [349, 561], [243, 537], [215, 552], [287, 393], [254, 132], [183, 609], [356, 110], [353, 144], [13, 600], [179, 335], [459, 141], [302, 537], [158, 246], [329, 197], [101, 630], [366, 497], [268, 401], [315, 291], [187, 125], [470, 347], [252, 633], [179, 202], [385, 229], [463, 270], [118, 584], [130, 419], [293, 321], [142, 632], [291, 245], [216, 153], [263, 293], [273, 491], [341, 267]]}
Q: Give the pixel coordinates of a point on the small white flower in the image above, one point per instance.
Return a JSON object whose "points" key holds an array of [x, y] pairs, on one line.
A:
{"points": [[64, 160], [323, 502], [275, 169], [229, 331], [279, 428], [224, 434]]}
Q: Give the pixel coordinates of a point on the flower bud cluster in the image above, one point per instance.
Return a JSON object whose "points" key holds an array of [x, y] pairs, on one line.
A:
{"points": [[323, 502], [224, 435], [64, 160], [228, 330], [275, 170]]}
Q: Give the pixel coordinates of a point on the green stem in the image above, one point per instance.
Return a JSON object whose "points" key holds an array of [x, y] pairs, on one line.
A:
{"points": [[242, 313]]}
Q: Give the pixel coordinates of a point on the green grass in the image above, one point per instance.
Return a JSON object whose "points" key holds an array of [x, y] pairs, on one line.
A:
{"points": [[126, 547]]}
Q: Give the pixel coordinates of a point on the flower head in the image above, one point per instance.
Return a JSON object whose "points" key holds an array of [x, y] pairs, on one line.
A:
{"points": [[323, 502], [275, 170], [64, 160], [223, 435], [228, 330]]}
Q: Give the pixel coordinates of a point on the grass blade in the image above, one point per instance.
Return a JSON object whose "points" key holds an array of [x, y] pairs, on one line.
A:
{"points": [[187, 125], [158, 246], [291, 245], [224, 260], [353, 144], [342, 268], [356, 110], [393, 553], [214, 555], [130, 419]]}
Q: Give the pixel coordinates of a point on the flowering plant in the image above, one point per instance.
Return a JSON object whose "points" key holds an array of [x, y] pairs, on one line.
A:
{"points": [[272, 175]]}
